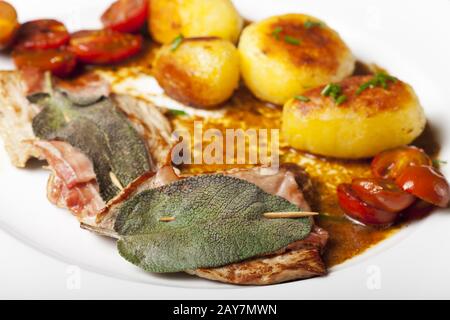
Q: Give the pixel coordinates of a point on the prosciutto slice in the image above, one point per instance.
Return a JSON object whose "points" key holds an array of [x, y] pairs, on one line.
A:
{"points": [[85, 89], [69, 164], [282, 182], [83, 200], [72, 184]]}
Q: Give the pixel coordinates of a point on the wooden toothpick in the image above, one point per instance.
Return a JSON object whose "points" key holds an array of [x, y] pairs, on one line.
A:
{"points": [[115, 180], [269, 215], [280, 215], [166, 219]]}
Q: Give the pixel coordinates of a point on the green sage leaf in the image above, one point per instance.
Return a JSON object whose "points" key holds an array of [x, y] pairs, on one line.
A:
{"points": [[101, 132], [218, 220]]}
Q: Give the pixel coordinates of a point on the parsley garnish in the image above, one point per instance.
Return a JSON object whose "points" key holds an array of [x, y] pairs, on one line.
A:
{"points": [[177, 42], [341, 99], [292, 40], [177, 112], [437, 163], [311, 24], [334, 91], [302, 98], [380, 79], [329, 88], [288, 39], [276, 32]]}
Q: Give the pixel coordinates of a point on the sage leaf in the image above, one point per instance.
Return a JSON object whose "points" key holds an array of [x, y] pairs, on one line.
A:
{"points": [[101, 132], [218, 220]]}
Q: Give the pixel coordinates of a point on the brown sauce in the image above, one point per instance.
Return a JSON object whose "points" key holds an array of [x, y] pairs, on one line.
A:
{"points": [[244, 111]]}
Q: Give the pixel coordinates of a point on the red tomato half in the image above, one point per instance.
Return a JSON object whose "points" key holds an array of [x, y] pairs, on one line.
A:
{"points": [[390, 164], [42, 34], [104, 46], [59, 61], [361, 211], [425, 183], [126, 15], [383, 194]]}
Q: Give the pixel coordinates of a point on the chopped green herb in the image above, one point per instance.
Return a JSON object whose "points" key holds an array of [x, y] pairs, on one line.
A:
{"points": [[341, 99], [327, 90], [363, 87], [302, 98], [175, 112], [335, 92], [292, 40], [276, 32], [311, 24], [288, 39], [437, 163], [177, 42], [380, 79]]}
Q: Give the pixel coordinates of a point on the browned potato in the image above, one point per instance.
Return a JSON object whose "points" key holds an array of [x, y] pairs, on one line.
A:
{"points": [[285, 55], [8, 24], [361, 126], [194, 18], [201, 72]]}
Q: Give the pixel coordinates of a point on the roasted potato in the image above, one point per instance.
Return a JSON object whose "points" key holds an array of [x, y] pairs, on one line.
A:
{"points": [[8, 24], [193, 18], [285, 55], [363, 124], [201, 72]]}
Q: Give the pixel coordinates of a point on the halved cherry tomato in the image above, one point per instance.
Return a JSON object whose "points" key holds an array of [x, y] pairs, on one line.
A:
{"points": [[419, 210], [104, 46], [126, 15], [383, 194], [390, 164], [8, 24], [425, 183], [361, 211], [59, 61], [42, 34]]}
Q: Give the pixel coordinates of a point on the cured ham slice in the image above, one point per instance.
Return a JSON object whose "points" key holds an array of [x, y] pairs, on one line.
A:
{"points": [[83, 200], [69, 164], [33, 81], [85, 89], [284, 182], [72, 184]]}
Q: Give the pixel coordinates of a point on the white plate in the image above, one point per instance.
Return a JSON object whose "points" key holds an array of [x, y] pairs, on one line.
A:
{"points": [[45, 255]]}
